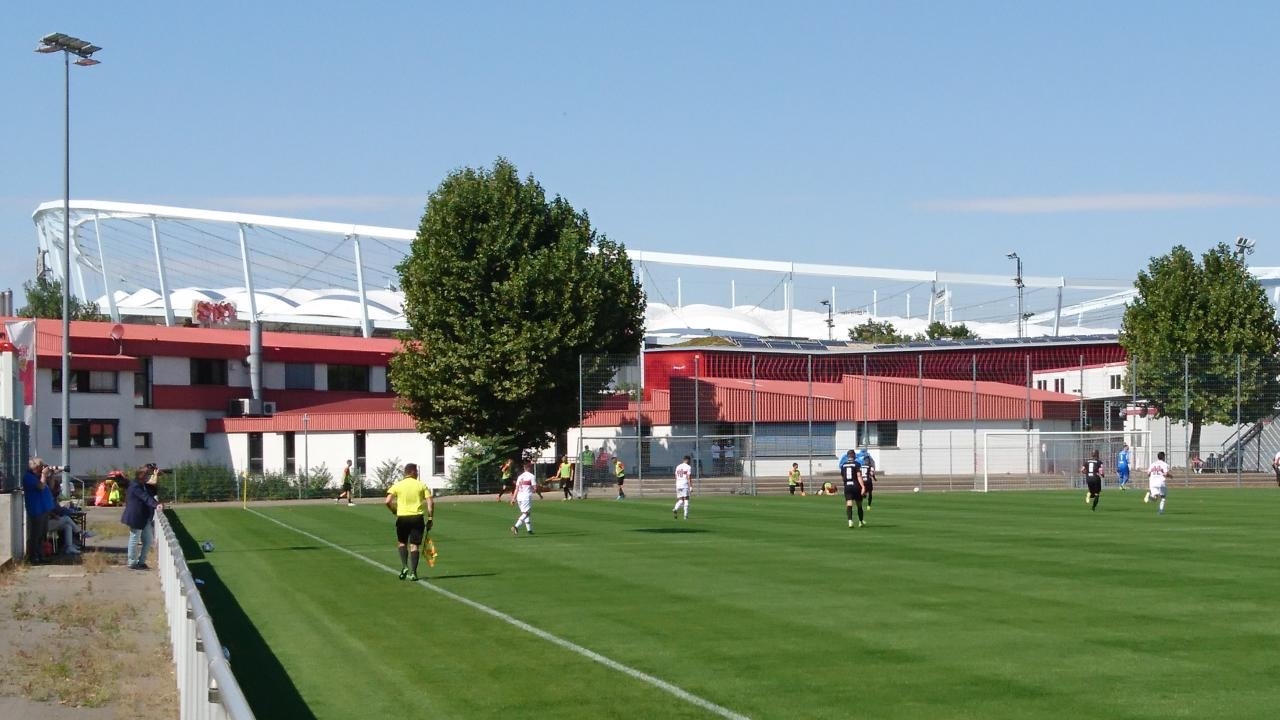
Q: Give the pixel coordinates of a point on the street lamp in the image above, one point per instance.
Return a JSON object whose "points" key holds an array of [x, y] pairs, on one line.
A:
{"points": [[1017, 282], [83, 50], [305, 475], [831, 321]]}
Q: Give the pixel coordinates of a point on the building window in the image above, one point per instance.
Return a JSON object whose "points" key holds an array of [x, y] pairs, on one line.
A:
{"points": [[290, 453], [437, 458], [88, 433], [349, 377], [1060, 385], [359, 451], [142, 441], [299, 376], [88, 381], [1115, 382], [883, 433], [197, 441], [1042, 384], [142, 385], [791, 439], [255, 453], [208, 372]]}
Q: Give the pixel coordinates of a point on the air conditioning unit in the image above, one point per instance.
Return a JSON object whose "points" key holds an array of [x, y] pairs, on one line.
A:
{"points": [[248, 407], [268, 407]]}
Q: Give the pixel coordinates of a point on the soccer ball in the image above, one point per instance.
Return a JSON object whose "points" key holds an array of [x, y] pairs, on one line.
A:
{"points": [[916, 489]]}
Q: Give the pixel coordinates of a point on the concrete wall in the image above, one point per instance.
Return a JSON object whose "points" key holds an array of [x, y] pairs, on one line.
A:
{"points": [[12, 530]]}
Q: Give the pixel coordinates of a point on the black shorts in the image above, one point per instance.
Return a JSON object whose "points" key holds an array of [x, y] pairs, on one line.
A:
{"points": [[852, 492], [870, 485], [621, 479], [410, 529], [346, 486], [1095, 485]]}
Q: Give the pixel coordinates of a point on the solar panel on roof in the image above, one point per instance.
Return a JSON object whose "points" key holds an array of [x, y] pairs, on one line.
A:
{"points": [[810, 345], [834, 343], [749, 342]]}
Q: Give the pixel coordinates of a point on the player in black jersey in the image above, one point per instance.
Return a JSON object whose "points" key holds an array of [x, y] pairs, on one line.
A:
{"points": [[1092, 469], [854, 487]]}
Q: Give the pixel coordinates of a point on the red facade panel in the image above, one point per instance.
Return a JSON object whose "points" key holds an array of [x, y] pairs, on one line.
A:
{"points": [[195, 397]]}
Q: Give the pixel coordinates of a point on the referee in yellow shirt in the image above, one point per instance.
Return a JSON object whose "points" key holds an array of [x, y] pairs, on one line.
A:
{"points": [[407, 498]]}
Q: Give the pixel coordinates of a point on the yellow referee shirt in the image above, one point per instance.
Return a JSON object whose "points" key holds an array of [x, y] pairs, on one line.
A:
{"points": [[410, 494]]}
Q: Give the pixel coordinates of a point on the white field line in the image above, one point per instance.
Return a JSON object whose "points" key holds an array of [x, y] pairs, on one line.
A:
{"points": [[537, 632]]}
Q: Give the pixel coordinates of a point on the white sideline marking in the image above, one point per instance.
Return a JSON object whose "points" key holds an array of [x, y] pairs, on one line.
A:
{"points": [[537, 632]]}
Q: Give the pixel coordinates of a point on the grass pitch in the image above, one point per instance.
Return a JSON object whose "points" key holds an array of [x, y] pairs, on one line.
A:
{"points": [[1005, 605]]}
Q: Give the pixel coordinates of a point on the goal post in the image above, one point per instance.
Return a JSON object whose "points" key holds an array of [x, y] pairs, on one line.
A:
{"points": [[1035, 460]]}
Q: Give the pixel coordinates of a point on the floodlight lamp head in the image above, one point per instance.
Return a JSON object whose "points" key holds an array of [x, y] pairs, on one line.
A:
{"points": [[1244, 245], [87, 62], [1012, 256]]}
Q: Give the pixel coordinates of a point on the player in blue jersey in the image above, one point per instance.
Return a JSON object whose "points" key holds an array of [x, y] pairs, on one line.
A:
{"points": [[868, 464], [1122, 468]]}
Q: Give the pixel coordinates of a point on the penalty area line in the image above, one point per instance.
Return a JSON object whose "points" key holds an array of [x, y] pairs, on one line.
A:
{"points": [[532, 630]]}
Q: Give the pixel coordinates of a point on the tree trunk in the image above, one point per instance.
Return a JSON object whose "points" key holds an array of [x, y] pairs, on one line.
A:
{"points": [[1194, 448]]}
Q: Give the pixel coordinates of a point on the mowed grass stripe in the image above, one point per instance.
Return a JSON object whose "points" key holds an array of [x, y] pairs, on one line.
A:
{"points": [[430, 657], [948, 605], [535, 631]]}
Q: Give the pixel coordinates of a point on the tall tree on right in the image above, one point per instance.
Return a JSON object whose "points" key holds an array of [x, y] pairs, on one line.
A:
{"points": [[1203, 316]]}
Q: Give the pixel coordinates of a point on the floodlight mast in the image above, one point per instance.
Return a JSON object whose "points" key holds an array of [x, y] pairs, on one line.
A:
{"points": [[1017, 282], [1244, 246], [831, 321], [84, 50]]}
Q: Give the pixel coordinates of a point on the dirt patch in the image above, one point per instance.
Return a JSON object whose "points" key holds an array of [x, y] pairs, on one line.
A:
{"points": [[85, 637]]}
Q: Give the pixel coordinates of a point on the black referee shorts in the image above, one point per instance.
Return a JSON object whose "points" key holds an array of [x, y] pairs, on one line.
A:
{"points": [[410, 529]]}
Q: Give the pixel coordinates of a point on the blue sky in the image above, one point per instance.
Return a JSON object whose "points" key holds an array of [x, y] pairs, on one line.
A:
{"points": [[1087, 136]]}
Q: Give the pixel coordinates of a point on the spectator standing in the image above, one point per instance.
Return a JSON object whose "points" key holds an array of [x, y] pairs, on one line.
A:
{"points": [[1275, 465], [38, 501], [140, 506]]}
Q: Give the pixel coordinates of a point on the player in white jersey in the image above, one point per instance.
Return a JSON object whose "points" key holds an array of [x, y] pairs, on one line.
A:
{"points": [[1156, 475], [683, 474], [526, 486]]}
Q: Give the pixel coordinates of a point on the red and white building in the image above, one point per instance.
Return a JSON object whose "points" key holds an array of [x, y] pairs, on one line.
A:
{"points": [[150, 393]]}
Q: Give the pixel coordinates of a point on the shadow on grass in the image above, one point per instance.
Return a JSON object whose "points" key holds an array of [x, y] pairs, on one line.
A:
{"points": [[458, 576], [670, 530], [264, 681]]}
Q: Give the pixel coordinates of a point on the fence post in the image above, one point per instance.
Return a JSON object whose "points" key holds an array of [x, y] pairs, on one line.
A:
{"points": [[753, 425], [1186, 417], [1239, 460], [920, 418], [809, 368]]}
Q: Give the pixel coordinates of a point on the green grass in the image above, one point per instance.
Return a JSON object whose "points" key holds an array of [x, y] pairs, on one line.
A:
{"points": [[1006, 605]]}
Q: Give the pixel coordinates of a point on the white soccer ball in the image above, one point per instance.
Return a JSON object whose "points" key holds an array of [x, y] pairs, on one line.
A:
{"points": [[916, 489]]}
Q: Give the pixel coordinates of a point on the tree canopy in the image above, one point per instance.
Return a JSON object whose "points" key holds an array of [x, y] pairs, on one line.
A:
{"points": [[1202, 317], [44, 300], [884, 333], [504, 291]]}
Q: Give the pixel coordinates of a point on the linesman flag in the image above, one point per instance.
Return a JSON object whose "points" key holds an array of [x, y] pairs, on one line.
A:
{"points": [[22, 335]]}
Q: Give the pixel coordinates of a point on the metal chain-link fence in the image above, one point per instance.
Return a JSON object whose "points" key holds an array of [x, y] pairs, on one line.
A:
{"points": [[14, 451], [745, 418]]}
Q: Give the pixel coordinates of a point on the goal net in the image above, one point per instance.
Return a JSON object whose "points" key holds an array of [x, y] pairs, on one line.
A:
{"points": [[1034, 460], [722, 464]]}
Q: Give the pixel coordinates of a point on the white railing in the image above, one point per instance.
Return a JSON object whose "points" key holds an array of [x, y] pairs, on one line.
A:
{"points": [[206, 686]]}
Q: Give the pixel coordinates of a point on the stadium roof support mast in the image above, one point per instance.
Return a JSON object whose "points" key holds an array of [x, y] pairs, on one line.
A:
{"points": [[84, 50]]}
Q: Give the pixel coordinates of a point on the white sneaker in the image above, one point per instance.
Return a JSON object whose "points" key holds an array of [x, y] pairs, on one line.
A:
{"points": [[73, 551], [351, 504]]}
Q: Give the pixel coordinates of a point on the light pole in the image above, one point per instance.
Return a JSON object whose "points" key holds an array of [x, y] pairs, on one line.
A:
{"points": [[84, 50], [1244, 246], [1017, 282], [831, 321], [304, 476]]}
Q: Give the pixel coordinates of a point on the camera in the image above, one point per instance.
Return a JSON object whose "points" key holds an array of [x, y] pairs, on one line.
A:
{"points": [[58, 468]]}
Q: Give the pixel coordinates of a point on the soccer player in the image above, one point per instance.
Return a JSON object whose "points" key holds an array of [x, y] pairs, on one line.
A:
{"points": [[408, 498], [1092, 469], [868, 464], [795, 480], [854, 486], [1122, 468], [1275, 465], [620, 472], [504, 482], [1156, 474], [683, 472], [522, 495], [565, 474], [346, 486]]}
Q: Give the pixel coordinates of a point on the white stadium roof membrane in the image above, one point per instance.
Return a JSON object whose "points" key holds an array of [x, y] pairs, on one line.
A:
{"points": [[155, 261]]}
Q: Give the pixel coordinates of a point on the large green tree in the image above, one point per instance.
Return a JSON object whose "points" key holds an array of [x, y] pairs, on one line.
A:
{"points": [[939, 330], [44, 300], [878, 332], [1204, 317], [504, 290]]}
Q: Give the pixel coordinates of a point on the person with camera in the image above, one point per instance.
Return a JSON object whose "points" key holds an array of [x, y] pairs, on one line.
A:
{"points": [[38, 500], [140, 506]]}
